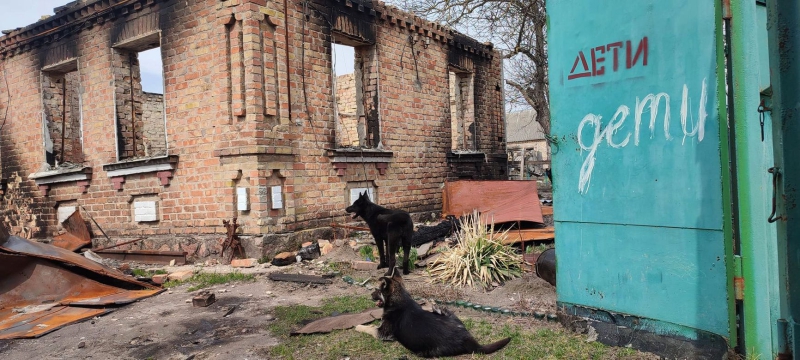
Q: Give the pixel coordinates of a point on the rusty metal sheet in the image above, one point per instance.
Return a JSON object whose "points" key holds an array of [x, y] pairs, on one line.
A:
{"points": [[120, 298], [77, 234], [18, 245], [497, 201], [40, 283], [145, 256], [32, 325], [26, 280]]}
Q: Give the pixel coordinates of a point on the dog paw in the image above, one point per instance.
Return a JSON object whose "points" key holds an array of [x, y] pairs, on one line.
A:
{"points": [[367, 329]]}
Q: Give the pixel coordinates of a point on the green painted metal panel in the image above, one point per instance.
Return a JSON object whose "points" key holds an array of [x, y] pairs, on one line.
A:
{"points": [[618, 268], [754, 156], [783, 28], [638, 178]]}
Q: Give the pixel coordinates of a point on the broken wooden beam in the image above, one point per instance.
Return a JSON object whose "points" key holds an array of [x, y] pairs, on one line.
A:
{"points": [[145, 256], [359, 228], [298, 278]]}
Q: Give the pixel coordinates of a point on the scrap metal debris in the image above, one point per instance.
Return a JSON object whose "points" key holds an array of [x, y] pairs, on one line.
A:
{"points": [[34, 274], [77, 234], [546, 266], [498, 201], [427, 234], [232, 241], [340, 322]]}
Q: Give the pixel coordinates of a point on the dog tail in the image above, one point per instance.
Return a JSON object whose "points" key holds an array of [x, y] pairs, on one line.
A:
{"points": [[488, 349]]}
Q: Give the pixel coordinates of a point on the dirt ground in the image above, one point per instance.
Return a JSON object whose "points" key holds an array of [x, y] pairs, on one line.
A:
{"points": [[167, 326]]}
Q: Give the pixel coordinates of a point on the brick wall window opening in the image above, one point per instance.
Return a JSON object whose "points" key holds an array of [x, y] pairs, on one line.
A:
{"points": [[355, 94], [462, 111], [62, 115], [139, 97]]}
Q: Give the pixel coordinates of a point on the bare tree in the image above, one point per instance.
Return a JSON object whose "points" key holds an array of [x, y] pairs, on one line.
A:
{"points": [[518, 28]]}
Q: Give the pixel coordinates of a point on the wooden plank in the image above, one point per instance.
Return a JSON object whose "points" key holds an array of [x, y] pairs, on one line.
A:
{"points": [[547, 210], [298, 278], [515, 236]]}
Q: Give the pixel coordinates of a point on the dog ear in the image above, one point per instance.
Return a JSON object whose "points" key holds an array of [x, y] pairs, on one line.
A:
{"points": [[396, 275]]}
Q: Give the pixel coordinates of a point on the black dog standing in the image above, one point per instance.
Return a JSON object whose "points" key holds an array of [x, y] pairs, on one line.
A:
{"points": [[393, 227]]}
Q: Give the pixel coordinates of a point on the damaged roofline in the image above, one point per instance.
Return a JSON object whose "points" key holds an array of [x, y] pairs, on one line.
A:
{"points": [[77, 17]]}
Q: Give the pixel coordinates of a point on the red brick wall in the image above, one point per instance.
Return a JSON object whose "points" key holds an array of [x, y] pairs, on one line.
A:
{"points": [[231, 122]]}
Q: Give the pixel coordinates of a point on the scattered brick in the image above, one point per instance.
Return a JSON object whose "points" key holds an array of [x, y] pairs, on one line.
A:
{"points": [[181, 275], [325, 247], [203, 300], [284, 258], [160, 278], [244, 263]]}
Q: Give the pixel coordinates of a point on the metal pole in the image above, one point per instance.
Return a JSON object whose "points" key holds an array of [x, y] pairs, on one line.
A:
{"points": [[63, 113], [133, 114]]}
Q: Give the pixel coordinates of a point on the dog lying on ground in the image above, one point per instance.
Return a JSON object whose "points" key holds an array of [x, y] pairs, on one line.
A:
{"points": [[427, 334], [391, 227]]}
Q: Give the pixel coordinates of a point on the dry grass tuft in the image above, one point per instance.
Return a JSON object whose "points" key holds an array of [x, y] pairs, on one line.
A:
{"points": [[478, 258]]}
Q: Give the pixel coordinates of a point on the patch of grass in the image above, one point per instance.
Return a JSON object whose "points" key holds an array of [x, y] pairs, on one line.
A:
{"points": [[366, 253], [412, 258], [264, 260], [287, 317], [147, 273], [530, 249], [204, 280], [525, 344], [543, 343]]}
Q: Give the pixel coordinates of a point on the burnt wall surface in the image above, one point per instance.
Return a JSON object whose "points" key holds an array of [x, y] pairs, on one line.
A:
{"points": [[248, 106]]}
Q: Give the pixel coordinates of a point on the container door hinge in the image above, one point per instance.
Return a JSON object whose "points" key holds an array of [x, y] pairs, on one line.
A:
{"points": [[738, 279], [783, 335], [727, 14]]}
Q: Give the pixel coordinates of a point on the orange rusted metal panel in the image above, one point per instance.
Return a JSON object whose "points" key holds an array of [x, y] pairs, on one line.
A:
{"points": [[38, 294], [20, 246], [32, 325], [77, 235], [498, 201]]}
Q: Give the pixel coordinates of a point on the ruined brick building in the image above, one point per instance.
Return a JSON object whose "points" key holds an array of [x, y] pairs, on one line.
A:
{"points": [[249, 124]]}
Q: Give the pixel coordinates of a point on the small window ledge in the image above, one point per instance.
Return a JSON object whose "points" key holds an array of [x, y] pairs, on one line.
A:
{"points": [[341, 157], [80, 175], [466, 156], [163, 166]]}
